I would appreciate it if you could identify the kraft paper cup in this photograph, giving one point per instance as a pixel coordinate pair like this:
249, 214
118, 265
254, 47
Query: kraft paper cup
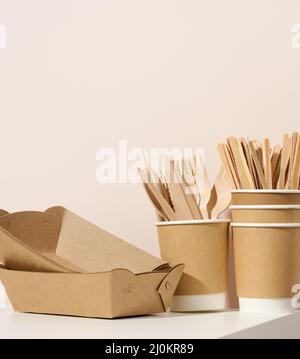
267, 265
202, 245
265, 213
265, 197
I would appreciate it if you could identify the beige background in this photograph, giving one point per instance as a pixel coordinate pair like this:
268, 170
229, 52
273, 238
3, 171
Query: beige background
78, 75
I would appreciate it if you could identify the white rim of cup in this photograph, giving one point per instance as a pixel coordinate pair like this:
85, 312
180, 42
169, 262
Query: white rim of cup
266, 225
196, 221
265, 206
273, 191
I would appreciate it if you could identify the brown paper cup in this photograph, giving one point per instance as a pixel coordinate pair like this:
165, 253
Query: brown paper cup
265, 213
265, 197
267, 265
203, 247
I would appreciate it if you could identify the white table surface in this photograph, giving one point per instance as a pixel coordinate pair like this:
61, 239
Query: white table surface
162, 326
209, 325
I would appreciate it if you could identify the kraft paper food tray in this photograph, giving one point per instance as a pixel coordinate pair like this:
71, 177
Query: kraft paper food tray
118, 293
58, 263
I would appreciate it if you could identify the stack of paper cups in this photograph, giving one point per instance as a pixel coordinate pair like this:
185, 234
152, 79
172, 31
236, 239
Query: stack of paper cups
202, 245
266, 241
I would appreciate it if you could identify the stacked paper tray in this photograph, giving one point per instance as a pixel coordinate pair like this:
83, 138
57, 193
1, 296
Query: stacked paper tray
56, 262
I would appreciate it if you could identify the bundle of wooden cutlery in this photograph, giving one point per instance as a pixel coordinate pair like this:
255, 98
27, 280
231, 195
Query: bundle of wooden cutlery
250, 164
181, 191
